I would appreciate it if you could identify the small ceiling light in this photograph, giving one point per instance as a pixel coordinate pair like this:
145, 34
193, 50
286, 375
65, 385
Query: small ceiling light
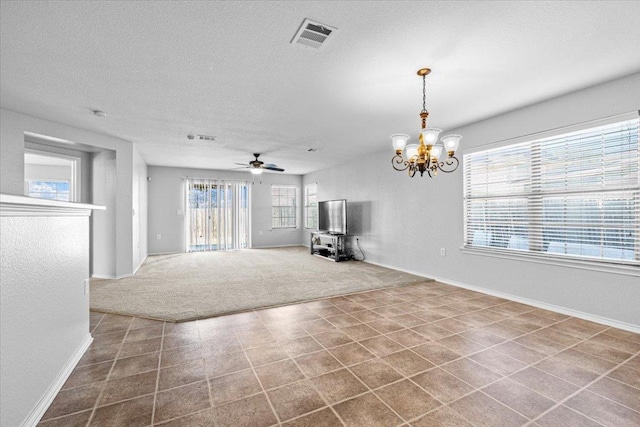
256, 171
426, 155
99, 113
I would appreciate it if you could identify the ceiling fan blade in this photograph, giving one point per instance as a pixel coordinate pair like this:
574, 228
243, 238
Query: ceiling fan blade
241, 164
242, 167
270, 165
273, 169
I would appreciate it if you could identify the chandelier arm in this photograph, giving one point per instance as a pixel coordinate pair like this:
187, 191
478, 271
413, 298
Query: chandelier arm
398, 160
450, 165
412, 171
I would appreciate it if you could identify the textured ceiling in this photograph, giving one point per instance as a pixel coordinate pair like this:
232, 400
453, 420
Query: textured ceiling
162, 70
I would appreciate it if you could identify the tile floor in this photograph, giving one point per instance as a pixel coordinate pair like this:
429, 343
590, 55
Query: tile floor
422, 355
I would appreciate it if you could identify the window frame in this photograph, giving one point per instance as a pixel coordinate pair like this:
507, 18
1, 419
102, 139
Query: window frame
620, 266
308, 206
294, 206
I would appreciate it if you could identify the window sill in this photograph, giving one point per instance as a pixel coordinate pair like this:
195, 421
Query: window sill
607, 267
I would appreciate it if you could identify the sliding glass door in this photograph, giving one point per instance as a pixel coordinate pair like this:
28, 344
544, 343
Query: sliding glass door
217, 214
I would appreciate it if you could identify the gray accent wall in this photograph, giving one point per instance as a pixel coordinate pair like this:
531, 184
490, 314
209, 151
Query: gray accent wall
403, 222
167, 197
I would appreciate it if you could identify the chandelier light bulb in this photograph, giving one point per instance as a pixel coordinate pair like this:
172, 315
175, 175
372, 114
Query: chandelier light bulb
412, 152
436, 151
430, 135
399, 140
451, 142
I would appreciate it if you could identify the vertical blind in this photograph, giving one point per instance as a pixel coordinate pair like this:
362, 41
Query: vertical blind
217, 214
575, 194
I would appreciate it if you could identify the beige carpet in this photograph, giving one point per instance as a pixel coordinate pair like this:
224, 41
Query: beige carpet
204, 284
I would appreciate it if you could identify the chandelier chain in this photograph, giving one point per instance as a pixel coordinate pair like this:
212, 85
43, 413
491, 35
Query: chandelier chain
424, 94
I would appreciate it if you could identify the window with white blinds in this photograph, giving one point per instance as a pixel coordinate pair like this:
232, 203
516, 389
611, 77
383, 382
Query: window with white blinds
283, 206
573, 195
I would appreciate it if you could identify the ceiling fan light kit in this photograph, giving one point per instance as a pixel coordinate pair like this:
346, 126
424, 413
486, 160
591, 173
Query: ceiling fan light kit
257, 166
425, 156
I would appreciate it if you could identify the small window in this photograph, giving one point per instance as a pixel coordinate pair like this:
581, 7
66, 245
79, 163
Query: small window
283, 206
51, 176
311, 206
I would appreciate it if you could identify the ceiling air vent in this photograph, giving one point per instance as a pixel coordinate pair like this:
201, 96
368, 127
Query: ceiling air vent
201, 137
313, 34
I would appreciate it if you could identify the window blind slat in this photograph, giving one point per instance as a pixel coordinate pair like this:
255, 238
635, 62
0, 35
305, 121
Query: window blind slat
574, 194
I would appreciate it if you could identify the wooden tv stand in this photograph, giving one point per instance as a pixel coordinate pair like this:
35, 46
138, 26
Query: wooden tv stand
329, 246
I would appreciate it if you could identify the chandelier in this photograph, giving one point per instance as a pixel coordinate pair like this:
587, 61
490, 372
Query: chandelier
426, 156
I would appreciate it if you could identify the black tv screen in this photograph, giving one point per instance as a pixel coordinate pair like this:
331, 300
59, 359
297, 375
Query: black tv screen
332, 216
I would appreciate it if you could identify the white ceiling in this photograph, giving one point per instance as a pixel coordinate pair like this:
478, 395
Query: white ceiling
162, 70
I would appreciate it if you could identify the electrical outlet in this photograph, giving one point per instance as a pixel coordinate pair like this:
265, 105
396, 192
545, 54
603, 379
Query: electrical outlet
260, 232
443, 252
158, 236
179, 212
86, 286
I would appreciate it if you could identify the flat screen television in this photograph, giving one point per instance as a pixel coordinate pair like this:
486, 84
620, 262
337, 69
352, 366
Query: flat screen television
332, 216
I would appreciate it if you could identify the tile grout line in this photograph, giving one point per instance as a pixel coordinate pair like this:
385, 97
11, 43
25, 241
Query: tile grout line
375, 394
155, 393
206, 374
331, 408
244, 352
480, 389
561, 403
95, 406
466, 356
506, 376
472, 327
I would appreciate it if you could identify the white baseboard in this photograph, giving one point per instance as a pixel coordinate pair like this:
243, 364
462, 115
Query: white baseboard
139, 265
535, 303
415, 273
45, 401
546, 306
164, 253
107, 276
103, 276
276, 246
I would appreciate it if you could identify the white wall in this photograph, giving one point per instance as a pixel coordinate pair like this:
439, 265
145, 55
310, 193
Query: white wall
166, 197
103, 235
44, 312
12, 128
403, 222
139, 194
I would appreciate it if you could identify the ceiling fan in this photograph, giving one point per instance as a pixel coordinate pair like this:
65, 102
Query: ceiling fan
257, 166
